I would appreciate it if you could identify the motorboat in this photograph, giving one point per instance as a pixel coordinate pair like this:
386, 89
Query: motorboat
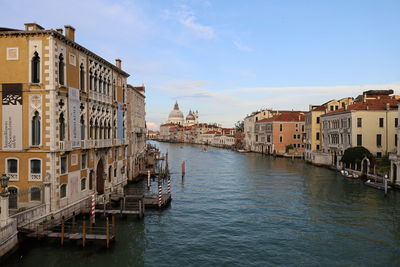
243, 151
380, 186
349, 175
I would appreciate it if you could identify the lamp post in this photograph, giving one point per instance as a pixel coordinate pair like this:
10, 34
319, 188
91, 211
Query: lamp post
386, 177
4, 198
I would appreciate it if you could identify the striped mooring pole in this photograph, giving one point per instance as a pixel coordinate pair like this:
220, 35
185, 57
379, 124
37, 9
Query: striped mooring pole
93, 206
148, 181
169, 184
159, 194
183, 168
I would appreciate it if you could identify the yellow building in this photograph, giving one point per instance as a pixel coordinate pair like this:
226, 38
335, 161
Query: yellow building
62, 118
371, 122
313, 139
136, 128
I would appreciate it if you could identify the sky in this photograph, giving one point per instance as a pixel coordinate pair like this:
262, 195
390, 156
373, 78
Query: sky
228, 58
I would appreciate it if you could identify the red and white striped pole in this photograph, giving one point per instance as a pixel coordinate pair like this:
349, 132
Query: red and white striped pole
159, 194
183, 168
169, 184
148, 181
93, 206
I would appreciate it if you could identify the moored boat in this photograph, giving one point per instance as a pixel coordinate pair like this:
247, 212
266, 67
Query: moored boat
348, 174
377, 185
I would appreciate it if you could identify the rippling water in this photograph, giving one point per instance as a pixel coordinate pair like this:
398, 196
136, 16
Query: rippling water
235, 209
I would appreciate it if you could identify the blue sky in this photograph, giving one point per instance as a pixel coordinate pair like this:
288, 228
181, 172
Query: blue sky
229, 58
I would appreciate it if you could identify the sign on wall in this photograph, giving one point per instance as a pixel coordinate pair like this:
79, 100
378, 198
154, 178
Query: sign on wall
120, 115
12, 116
74, 117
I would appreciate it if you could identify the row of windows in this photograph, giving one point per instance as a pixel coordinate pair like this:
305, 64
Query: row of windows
96, 83
381, 122
378, 140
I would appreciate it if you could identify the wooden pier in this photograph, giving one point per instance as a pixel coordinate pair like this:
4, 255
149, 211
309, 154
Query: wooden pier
152, 201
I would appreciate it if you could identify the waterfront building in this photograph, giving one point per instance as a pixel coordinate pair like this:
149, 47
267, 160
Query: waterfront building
313, 138
281, 133
136, 129
395, 157
370, 122
63, 113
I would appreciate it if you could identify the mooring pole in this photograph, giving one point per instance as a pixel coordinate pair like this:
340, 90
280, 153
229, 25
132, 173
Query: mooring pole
159, 193
93, 208
91, 224
84, 232
166, 161
169, 184
148, 180
183, 169
113, 223
385, 178
62, 231
73, 223
108, 232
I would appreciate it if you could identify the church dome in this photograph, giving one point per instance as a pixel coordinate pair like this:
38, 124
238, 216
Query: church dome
190, 117
175, 115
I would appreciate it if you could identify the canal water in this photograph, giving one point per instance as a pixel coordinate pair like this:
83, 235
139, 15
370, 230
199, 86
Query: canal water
235, 209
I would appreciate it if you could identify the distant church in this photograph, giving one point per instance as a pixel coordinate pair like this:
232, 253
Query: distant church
176, 117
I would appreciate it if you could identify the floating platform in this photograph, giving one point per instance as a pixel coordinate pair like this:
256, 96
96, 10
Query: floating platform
151, 201
376, 185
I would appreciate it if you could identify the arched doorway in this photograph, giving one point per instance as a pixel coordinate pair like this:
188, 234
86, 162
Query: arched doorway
13, 198
99, 178
394, 175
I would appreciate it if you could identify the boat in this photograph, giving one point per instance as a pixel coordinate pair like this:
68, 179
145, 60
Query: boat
243, 151
204, 149
377, 185
349, 175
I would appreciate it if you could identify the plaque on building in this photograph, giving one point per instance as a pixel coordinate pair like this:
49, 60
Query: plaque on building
12, 116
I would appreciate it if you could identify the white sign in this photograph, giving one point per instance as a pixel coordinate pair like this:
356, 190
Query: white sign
74, 117
12, 116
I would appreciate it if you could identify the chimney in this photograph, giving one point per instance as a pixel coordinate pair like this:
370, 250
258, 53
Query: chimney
33, 26
59, 30
118, 63
70, 32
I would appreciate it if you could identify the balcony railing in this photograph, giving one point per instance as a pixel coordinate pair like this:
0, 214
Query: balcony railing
117, 142
13, 176
100, 97
65, 145
36, 177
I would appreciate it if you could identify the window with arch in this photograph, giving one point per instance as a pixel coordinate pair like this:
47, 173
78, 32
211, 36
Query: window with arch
82, 77
61, 70
83, 184
35, 194
35, 169
61, 120
91, 180
63, 190
95, 81
114, 91
90, 80
12, 169
35, 65
83, 128
35, 129
109, 173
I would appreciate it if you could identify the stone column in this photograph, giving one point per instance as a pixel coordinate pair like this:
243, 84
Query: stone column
4, 208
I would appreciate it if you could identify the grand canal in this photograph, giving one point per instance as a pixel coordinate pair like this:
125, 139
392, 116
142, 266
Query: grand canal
235, 209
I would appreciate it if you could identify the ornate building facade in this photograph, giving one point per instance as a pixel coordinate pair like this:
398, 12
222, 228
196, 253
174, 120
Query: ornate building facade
62, 116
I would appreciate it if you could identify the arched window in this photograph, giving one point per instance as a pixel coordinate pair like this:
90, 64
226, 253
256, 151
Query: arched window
83, 128
90, 80
109, 173
100, 83
61, 65
95, 81
82, 77
12, 166
83, 184
114, 91
63, 190
35, 129
91, 180
35, 68
35, 194
62, 127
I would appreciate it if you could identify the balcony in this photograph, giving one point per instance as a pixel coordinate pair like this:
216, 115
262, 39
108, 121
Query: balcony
13, 176
100, 97
35, 177
87, 144
117, 142
65, 145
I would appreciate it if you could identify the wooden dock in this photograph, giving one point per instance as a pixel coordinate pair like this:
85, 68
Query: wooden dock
152, 201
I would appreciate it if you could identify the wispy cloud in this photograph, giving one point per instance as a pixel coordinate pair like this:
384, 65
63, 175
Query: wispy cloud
242, 47
189, 20
151, 125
